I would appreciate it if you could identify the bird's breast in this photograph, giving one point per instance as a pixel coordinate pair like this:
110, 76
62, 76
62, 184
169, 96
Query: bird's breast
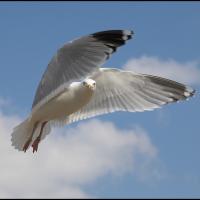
66, 103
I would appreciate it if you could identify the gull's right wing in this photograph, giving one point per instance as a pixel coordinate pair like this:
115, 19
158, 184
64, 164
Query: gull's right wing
76, 60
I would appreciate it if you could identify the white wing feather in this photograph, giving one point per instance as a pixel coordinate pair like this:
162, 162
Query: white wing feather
75, 60
119, 90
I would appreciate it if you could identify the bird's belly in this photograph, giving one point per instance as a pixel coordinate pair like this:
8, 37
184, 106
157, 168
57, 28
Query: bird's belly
63, 105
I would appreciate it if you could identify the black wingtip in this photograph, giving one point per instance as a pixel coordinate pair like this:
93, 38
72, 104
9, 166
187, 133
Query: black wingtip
189, 92
114, 32
117, 37
113, 38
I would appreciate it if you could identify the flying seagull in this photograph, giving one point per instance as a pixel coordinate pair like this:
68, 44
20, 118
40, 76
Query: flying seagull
75, 87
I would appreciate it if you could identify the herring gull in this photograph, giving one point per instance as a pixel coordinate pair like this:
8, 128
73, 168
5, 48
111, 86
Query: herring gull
75, 87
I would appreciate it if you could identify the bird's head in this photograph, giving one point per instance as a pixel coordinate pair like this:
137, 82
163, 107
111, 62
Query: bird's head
89, 83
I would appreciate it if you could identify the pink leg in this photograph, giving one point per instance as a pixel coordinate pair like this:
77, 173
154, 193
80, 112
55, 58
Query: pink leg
26, 145
37, 140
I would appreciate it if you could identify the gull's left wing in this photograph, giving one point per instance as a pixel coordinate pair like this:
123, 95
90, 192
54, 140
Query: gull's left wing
118, 90
75, 60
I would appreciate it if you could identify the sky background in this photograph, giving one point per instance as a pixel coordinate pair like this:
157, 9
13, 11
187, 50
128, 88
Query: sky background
148, 154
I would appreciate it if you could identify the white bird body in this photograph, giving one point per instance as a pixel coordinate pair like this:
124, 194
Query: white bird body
64, 104
62, 96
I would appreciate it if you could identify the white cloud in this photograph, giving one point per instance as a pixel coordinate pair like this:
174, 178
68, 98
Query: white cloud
69, 159
187, 73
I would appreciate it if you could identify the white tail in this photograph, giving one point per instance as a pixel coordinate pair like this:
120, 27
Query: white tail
22, 133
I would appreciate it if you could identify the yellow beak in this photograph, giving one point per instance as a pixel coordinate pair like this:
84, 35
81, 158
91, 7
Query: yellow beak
90, 86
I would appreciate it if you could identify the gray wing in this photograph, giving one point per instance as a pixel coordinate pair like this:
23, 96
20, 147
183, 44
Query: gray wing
118, 90
75, 60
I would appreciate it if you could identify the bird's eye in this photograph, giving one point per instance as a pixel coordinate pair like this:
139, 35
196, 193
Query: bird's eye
84, 83
94, 84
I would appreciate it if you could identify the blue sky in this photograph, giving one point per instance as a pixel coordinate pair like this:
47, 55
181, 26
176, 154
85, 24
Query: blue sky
32, 32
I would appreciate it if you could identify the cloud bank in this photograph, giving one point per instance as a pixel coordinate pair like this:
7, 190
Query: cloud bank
70, 158
187, 73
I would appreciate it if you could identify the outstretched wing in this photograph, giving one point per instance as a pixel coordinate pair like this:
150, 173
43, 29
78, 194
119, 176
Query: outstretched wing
118, 90
75, 60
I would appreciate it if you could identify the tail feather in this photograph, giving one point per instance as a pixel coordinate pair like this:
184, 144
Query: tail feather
22, 132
